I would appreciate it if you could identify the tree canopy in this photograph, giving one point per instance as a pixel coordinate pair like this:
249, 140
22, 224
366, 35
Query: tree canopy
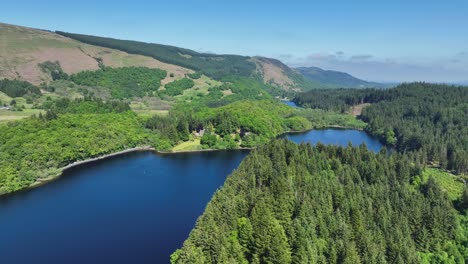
289, 203
428, 120
16, 88
123, 82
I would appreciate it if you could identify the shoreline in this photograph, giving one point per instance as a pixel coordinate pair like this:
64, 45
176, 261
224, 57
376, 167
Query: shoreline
77, 163
198, 150
41, 181
342, 127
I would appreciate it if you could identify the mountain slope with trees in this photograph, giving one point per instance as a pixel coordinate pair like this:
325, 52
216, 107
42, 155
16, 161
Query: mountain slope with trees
427, 120
289, 203
214, 66
334, 79
23, 49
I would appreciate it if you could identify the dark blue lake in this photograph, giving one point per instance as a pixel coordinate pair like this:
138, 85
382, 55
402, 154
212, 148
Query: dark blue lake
133, 208
290, 103
334, 136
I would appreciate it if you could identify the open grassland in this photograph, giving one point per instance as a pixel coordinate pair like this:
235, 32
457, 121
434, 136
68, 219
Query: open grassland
449, 182
7, 115
4, 99
150, 106
201, 88
149, 113
193, 144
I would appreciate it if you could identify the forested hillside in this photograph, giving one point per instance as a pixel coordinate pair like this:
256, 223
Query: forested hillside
35, 148
15, 88
428, 120
334, 79
214, 66
239, 124
67, 130
126, 82
289, 203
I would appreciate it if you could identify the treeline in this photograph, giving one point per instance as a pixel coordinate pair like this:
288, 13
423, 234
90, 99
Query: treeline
214, 66
123, 82
178, 87
236, 89
239, 124
85, 105
35, 148
16, 88
54, 69
428, 120
339, 100
289, 203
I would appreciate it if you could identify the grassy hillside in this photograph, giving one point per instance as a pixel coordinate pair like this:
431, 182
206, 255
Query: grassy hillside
22, 49
334, 79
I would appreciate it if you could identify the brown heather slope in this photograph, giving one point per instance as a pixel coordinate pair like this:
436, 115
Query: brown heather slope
272, 73
275, 73
22, 49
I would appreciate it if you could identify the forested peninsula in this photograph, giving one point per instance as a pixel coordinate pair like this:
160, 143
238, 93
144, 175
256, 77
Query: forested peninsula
289, 203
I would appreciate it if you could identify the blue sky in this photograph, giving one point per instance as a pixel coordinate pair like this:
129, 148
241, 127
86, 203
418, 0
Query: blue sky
375, 40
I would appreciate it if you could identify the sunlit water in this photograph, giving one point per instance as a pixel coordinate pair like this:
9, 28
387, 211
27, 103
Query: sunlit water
133, 208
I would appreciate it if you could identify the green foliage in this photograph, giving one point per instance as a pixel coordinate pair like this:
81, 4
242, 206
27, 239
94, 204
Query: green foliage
214, 66
15, 88
321, 119
265, 118
195, 75
428, 120
238, 89
36, 148
166, 126
209, 140
289, 203
226, 123
54, 69
86, 105
253, 122
462, 202
177, 87
123, 82
339, 100
452, 184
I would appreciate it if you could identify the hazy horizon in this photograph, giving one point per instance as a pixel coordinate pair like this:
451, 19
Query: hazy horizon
384, 42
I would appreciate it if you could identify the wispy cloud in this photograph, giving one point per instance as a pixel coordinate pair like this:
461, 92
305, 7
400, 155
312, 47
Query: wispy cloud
444, 69
363, 57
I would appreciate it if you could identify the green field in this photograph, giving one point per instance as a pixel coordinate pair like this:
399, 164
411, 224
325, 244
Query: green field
7, 115
449, 182
200, 88
193, 144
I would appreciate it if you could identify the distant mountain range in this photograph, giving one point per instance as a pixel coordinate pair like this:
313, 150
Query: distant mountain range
335, 79
23, 49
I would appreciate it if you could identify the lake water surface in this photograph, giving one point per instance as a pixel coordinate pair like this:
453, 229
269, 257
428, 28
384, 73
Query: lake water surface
133, 208
290, 103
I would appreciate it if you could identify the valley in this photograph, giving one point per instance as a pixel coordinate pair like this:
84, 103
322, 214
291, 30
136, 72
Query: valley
187, 180
128, 151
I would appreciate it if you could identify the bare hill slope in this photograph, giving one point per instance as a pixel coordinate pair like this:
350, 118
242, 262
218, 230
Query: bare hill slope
22, 49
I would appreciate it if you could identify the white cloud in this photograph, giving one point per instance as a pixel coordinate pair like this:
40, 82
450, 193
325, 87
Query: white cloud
369, 67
